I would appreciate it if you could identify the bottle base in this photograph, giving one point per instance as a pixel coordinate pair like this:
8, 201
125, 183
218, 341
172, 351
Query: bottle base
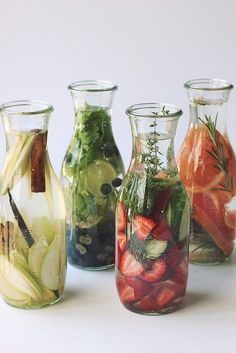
161, 312
93, 268
27, 306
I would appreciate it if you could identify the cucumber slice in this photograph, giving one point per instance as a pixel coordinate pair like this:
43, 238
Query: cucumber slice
184, 224
51, 265
19, 278
155, 248
36, 255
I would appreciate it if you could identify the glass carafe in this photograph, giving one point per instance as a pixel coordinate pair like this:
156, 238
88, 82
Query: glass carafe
32, 211
152, 216
207, 166
92, 172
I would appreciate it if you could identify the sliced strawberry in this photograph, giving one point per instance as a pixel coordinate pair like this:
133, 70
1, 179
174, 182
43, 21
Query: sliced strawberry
162, 230
141, 288
174, 256
121, 240
165, 296
147, 304
143, 226
157, 272
126, 292
129, 266
121, 216
180, 274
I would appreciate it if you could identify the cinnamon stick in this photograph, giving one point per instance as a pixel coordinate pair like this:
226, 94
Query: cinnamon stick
6, 237
38, 154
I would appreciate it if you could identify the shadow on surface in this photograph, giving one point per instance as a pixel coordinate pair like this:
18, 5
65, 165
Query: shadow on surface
194, 298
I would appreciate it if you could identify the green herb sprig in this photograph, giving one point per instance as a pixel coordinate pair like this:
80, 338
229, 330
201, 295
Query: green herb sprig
217, 152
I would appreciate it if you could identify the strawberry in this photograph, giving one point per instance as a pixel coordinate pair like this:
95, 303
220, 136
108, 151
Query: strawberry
129, 266
158, 271
165, 296
147, 304
121, 240
121, 216
126, 292
143, 226
162, 230
141, 288
180, 274
174, 256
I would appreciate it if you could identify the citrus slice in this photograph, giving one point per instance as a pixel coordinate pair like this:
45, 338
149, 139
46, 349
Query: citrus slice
208, 213
19, 278
51, 265
97, 174
197, 166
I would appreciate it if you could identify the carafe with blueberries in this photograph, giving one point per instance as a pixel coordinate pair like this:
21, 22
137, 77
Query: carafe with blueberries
92, 173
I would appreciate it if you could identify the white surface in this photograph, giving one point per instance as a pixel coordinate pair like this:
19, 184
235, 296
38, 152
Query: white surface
91, 319
150, 48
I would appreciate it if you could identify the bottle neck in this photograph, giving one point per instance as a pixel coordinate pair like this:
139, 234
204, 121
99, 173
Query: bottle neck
201, 114
153, 154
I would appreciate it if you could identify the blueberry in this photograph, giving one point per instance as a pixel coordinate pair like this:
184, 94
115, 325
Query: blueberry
116, 182
106, 189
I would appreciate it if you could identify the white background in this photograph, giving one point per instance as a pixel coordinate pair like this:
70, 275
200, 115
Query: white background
149, 48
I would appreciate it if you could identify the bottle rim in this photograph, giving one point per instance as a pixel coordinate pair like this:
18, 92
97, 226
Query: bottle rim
163, 111
26, 107
92, 86
209, 84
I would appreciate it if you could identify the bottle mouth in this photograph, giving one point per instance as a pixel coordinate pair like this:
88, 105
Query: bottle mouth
92, 86
209, 84
155, 111
26, 107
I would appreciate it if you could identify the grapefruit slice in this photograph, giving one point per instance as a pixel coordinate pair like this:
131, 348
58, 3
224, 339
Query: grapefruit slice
196, 165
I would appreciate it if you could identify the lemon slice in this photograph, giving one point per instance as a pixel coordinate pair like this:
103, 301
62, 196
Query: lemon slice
98, 173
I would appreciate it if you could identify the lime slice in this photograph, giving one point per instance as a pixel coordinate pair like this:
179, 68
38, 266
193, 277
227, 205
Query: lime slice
98, 173
51, 265
19, 278
36, 254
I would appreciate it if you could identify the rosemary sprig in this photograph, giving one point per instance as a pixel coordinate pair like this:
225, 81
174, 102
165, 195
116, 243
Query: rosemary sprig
217, 153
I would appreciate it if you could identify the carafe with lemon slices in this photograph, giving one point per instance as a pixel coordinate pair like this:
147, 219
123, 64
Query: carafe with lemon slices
91, 175
32, 211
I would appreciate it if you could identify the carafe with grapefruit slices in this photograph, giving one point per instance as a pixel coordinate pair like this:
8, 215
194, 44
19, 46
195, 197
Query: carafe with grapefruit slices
152, 217
207, 166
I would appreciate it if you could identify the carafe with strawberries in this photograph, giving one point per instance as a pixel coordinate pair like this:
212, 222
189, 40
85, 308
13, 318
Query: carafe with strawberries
152, 216
207, 166
32, 211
